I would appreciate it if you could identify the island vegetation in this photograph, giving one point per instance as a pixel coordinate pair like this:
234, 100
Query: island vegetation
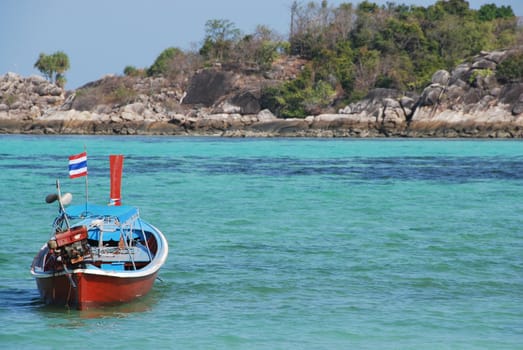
363, 70
53, 67
352, 49
348, 50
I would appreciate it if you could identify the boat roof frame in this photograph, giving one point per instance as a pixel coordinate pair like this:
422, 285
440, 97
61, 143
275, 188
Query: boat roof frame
124, 213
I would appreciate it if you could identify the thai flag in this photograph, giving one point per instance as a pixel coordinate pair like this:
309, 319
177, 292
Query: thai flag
78, 165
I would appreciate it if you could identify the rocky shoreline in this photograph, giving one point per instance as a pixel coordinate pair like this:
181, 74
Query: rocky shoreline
467, 102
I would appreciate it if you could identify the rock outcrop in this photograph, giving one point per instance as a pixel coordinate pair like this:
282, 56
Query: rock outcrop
467, 102
470, 102
23, 99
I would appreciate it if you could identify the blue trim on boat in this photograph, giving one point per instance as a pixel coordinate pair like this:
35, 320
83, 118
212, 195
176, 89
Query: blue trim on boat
123, 213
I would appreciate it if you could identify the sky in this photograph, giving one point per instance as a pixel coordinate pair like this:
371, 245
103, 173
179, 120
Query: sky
102, 37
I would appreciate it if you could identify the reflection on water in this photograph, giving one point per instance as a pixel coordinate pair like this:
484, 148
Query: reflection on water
27, 301
18, 298
143, 304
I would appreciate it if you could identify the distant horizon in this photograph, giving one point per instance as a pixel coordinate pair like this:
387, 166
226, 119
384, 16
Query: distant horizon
103, 37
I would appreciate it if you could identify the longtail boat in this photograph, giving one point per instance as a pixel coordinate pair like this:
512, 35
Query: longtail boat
98, 255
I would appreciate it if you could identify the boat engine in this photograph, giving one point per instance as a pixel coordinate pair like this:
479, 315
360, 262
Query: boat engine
70, 245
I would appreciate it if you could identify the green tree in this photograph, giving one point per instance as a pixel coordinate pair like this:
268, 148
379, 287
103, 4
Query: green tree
369, 27
511, 68
220, 36
299, 97
489, 12
455, 7
258, 49
335, 67
132, 71
405, 34
288, 100
53, 67
366, 72
45, 65
344, 65
318, 27
173, 64
458, 38
162, 62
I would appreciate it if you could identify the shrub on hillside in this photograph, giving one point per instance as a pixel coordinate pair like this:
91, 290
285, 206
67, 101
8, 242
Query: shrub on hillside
132, 71
108, 91
511, 68
162, 62
175, 65
298, 98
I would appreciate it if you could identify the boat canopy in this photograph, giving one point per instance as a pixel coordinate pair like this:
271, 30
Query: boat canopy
124, 213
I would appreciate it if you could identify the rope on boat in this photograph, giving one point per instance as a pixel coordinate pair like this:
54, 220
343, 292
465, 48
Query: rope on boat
127, 246
146, 242
68, 274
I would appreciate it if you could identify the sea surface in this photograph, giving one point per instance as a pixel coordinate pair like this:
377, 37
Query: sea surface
283, 243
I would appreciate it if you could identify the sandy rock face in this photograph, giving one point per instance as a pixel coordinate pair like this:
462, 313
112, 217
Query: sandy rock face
466, 102
27, 98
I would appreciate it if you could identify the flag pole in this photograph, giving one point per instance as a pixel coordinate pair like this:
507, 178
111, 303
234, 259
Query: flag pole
78, 168
86, 184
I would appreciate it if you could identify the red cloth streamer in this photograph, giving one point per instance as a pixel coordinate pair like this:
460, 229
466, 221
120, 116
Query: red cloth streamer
116, 167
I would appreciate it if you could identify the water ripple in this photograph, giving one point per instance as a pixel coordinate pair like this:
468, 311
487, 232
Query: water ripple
445, 169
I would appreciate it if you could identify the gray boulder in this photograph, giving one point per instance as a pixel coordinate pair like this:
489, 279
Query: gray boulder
208, 86
441, 77
247, 101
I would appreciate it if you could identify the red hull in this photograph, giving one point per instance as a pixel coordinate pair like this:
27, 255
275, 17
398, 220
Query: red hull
92, 290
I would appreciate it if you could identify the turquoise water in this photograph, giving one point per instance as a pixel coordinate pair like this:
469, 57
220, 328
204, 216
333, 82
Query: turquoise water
284, 243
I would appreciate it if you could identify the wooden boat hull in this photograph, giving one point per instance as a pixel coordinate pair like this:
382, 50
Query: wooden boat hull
92, 290
99, 282
97, 255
